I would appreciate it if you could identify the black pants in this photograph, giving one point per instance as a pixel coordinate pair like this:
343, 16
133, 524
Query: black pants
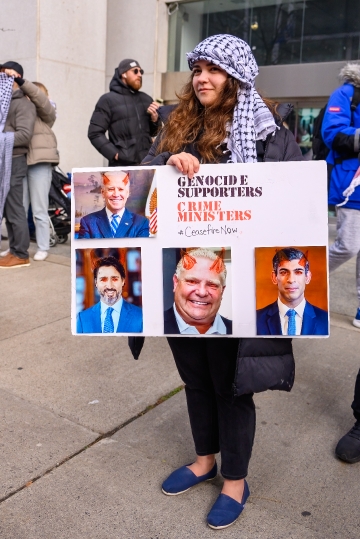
356, 404
14, 211
219, 422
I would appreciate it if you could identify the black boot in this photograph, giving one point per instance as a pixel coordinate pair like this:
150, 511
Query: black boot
348, 447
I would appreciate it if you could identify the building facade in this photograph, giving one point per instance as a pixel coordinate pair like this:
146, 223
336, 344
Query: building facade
74, 46
300, 47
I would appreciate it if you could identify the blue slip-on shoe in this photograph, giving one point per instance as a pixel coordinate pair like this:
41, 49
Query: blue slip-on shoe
183, 479
356, 321
226, 510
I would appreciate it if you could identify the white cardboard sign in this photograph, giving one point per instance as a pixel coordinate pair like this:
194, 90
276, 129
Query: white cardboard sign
244, 213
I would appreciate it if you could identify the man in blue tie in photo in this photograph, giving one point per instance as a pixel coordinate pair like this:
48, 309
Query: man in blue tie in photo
114, 220
112, 314
291, 314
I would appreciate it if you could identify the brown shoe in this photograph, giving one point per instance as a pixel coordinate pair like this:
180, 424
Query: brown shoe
5, 256
12, 261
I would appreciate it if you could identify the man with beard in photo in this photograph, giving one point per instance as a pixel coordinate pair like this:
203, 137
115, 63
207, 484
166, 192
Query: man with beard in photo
112, 314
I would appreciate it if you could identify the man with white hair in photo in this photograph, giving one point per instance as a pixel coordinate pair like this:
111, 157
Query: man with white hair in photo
114, 220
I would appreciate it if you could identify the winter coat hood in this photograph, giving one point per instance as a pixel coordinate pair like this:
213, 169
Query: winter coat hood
122, 113
17, 94
351, 74
20, 120
43, 145
283, 111
118, 86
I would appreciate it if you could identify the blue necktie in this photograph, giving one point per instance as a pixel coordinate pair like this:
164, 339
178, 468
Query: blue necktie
108, 323
114, 224
291, 313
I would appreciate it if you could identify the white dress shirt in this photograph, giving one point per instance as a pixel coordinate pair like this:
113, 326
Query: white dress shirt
299, 310
115, 314
110, 213
218, 327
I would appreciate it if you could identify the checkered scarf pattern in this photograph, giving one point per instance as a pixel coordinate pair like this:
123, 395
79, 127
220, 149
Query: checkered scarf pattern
5, 98
6, 140
252, 119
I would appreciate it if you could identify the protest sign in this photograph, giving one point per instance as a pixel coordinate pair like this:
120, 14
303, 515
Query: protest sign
199, 254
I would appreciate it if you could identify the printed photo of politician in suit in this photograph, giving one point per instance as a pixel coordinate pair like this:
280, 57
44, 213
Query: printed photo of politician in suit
115, 204
292, 313
108, 291
195, 280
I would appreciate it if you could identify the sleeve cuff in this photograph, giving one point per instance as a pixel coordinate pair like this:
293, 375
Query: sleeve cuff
19, 81
357, 141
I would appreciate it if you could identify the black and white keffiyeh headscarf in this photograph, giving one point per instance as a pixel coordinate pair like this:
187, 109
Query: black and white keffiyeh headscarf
252, 119
6, 84
6, 140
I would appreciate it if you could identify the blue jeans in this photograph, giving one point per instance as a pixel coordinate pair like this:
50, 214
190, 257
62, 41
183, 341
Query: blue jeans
347, 243
36, 191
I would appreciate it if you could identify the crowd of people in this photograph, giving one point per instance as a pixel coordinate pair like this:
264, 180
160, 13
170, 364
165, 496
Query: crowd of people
31, 151
220, 118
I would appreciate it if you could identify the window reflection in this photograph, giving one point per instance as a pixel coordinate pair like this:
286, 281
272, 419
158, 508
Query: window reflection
279, 32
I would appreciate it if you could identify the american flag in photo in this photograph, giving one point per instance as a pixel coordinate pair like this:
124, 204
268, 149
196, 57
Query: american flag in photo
151, 208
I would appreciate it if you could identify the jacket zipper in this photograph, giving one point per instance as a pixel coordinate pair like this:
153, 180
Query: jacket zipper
138, 117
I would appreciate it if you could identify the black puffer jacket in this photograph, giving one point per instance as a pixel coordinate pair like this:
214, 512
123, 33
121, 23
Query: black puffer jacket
262, 363
279, 146
122, 112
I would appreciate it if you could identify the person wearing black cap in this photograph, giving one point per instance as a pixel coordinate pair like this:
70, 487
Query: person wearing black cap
20, 120
129, 116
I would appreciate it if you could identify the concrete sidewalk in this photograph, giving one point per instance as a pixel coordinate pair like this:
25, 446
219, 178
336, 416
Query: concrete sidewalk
84, 451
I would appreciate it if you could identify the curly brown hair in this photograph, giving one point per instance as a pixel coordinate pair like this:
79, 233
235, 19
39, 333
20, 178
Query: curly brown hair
191, 122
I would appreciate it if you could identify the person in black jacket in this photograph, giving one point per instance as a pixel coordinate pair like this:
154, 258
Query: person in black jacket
129, 116
221, 119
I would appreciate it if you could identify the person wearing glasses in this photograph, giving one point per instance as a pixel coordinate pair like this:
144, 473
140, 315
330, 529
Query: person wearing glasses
129, 117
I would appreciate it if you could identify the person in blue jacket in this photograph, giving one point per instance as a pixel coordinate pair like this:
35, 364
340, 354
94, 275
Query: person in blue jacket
341, 133
112, 314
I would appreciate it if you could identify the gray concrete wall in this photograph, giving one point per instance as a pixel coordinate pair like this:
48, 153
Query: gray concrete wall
299, 80
131, 34
62, 45
138, 30
18, 34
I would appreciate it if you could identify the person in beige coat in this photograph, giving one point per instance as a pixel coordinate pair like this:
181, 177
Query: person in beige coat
41, 156
20, 121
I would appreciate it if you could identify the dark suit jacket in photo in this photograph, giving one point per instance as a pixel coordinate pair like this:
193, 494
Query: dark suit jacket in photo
315, 320
96, 225
130, 321
171, 327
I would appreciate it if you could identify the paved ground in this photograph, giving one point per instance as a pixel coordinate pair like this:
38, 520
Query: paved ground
84, 452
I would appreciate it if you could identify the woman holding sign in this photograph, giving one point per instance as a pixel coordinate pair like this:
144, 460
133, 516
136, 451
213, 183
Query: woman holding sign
220, 119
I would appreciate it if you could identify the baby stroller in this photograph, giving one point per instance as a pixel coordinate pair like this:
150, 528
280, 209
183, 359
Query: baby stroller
59, 207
